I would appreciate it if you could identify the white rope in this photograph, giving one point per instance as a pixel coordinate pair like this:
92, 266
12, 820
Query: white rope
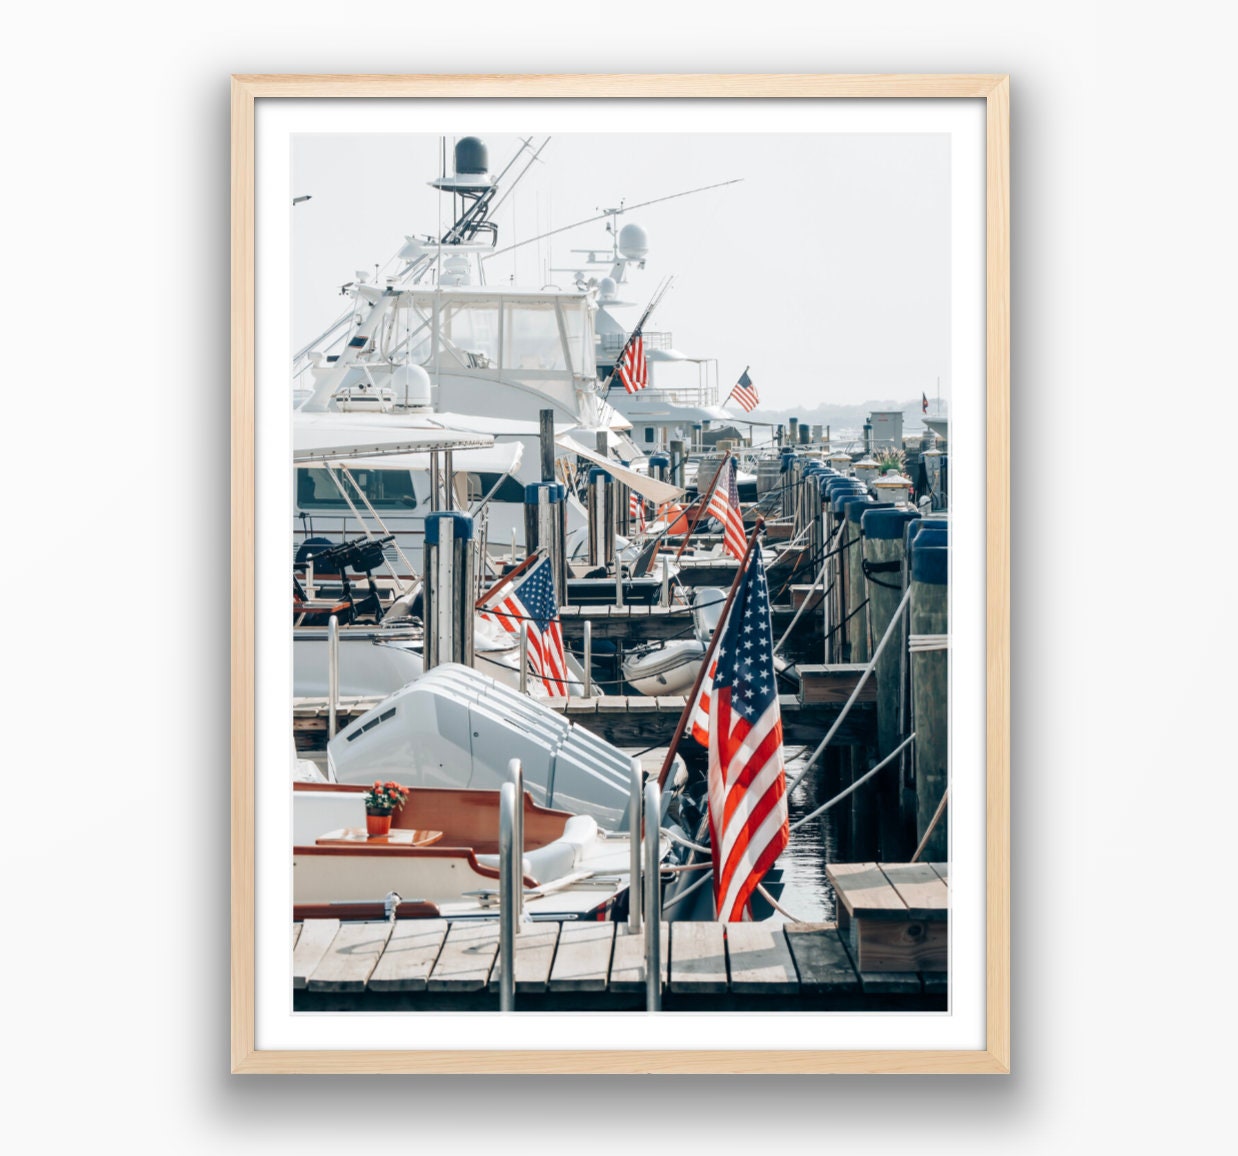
854, 786
777, 906
868, 670
921, 643
687, 891
941, 808
803, 606
684, 842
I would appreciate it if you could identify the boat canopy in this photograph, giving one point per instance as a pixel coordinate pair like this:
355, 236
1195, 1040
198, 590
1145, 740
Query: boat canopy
656, 491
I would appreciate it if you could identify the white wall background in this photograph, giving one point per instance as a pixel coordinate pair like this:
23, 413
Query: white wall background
115, 323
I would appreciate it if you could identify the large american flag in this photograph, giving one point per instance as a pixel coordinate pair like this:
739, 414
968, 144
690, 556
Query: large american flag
632, 368
747, 784
724, 505
744, 392
531, 600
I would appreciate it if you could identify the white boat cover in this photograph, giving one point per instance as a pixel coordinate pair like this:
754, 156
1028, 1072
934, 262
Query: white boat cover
656, 491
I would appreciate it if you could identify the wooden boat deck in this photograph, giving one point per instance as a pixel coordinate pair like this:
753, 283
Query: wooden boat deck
433, 965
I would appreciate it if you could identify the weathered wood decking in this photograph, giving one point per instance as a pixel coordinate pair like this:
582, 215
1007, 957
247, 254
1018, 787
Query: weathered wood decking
433, 965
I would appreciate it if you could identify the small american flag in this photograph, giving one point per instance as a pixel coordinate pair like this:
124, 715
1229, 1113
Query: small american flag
531, 600
724, 505
636, 511
632, 368
747, 783
744, 392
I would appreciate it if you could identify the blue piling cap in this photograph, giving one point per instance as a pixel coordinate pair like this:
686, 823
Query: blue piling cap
531, 491
930, 564
842, 489
884, 523
914, 529
856, 510
462, 526
596, 473
837, 497
659, 459
844, 500
929, 539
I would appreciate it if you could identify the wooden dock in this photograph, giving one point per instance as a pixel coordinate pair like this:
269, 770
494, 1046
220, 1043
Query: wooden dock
433, 965
633, 624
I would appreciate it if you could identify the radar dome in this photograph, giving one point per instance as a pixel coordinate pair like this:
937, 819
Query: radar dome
471, 156
633, 242
411, 386
607, 289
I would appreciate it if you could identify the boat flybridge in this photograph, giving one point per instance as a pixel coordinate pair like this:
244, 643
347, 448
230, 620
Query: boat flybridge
427, 341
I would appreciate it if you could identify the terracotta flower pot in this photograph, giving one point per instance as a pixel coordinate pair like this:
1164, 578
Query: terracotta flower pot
377, 823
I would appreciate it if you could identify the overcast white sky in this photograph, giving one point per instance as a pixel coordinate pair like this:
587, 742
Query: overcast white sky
827, 269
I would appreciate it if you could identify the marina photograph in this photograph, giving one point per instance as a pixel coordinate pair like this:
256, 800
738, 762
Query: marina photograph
620, 571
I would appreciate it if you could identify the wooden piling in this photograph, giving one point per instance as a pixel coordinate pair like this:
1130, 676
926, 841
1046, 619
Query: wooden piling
929, 689
546, 438
883, 557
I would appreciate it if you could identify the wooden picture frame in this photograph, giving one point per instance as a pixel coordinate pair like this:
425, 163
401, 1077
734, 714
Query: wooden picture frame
993, 90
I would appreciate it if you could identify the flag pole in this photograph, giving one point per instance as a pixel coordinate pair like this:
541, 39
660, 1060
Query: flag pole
709, 653
507, 578
702, 503
654, 301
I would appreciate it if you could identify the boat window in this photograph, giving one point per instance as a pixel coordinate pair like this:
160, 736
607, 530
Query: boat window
511, 489
579, 339
389, 488
531, 337
470, 332
411, 331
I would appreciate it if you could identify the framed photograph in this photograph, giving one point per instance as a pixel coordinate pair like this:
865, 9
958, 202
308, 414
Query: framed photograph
646, 444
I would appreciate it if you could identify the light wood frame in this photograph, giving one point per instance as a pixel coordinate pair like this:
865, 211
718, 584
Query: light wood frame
995, 91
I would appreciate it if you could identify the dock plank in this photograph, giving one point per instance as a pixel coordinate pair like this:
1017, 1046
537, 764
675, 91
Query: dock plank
582, 961
942, 869
821, 960
296, 934
698, 958
920, 887
315, 939
627, 965
411, 953
535, 953
864, 890
466, 958
351, 958
759, 959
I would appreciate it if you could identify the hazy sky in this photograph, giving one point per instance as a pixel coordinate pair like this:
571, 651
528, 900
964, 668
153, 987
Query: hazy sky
827, 269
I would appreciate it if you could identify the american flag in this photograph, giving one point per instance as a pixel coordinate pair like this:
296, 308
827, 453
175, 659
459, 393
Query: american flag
636, 511
747, 784
531, 600
745, 393
632, 368
724, 505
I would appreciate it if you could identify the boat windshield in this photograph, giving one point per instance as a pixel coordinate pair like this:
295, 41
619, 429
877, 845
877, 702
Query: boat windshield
382, 488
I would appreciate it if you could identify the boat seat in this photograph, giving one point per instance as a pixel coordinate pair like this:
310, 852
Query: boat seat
558, 858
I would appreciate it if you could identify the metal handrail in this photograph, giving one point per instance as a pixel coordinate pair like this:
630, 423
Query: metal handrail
509, 880
634, 831
653, 900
